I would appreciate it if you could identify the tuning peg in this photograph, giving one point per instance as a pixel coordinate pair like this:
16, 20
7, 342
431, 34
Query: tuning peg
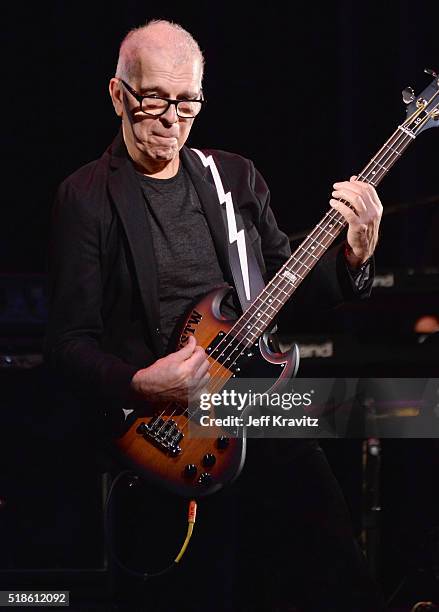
408, 95
431, 72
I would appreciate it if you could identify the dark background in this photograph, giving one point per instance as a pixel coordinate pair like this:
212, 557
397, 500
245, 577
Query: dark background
332, 75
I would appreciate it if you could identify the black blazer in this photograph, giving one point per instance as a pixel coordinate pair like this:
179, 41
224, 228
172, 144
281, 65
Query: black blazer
103, 297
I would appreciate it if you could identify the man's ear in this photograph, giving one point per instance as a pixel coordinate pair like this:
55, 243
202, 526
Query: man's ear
116, 95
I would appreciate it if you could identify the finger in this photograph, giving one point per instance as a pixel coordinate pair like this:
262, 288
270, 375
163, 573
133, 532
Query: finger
369, 195
353, 178
347, 191
188, 349
355, 186
365, 190
196, 359
366, 202
350, 216
374, 199
354, 198
359, 187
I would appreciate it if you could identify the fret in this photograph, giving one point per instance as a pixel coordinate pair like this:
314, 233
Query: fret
252, 336
276, 298
381, 166
280, 279
278, 288
250, 322
270, 306
251, 341
281, 303
290, 276
240, 337
269, 298
375, 174
323, 246
302, 263
264, 301
248, 325
264, 304
325, 230
306, 249
265, 323
259, 316
406, 131
393, 150
402, 146
249, 329
342, 223
252, 331
330, 225
365, 178
256, 331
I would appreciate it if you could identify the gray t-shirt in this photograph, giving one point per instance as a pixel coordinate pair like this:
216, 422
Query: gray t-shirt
187, 263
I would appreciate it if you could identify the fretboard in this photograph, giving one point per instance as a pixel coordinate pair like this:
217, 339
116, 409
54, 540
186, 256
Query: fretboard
265, 308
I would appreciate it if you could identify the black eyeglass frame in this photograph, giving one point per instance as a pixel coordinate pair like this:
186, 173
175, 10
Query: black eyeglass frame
139, 97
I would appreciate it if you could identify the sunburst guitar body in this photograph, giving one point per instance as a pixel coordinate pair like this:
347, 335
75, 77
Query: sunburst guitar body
164, 447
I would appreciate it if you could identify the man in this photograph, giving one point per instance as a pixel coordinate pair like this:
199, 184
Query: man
138, 236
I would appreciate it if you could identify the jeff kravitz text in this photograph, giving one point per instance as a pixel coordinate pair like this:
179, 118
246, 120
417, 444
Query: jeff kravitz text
266, 420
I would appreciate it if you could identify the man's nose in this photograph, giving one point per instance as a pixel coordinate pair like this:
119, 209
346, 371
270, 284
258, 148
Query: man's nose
171, 114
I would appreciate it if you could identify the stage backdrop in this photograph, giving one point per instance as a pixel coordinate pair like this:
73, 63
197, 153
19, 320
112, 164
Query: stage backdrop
309, 95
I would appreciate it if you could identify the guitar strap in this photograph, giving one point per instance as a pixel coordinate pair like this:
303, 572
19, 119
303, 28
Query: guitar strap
245, 269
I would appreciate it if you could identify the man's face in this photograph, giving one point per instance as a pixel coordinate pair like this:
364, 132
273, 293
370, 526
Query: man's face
156, 141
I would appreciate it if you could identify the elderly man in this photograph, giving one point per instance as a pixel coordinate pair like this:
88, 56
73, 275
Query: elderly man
138, 236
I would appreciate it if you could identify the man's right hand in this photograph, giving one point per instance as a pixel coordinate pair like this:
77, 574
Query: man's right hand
174, 377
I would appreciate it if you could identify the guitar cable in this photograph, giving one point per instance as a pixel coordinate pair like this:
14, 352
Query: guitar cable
192, 513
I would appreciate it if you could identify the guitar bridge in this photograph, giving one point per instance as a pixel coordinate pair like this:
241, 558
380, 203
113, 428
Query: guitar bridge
163, 433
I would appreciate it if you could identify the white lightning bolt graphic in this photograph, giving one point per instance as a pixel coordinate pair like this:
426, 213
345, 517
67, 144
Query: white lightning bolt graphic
234, 235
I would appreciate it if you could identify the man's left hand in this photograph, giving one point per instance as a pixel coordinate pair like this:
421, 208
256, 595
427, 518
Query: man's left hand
364, 221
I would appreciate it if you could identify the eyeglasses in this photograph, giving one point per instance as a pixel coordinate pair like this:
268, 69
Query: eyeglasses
156, 106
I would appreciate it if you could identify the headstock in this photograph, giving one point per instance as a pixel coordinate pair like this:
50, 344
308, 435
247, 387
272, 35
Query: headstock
422, 110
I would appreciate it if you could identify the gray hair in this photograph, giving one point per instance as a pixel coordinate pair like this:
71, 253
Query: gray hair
127, 61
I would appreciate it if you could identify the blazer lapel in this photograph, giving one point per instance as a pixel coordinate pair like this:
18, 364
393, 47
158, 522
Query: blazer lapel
127, 197
201, 179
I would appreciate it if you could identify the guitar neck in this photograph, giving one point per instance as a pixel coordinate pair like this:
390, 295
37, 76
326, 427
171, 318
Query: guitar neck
265, 308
